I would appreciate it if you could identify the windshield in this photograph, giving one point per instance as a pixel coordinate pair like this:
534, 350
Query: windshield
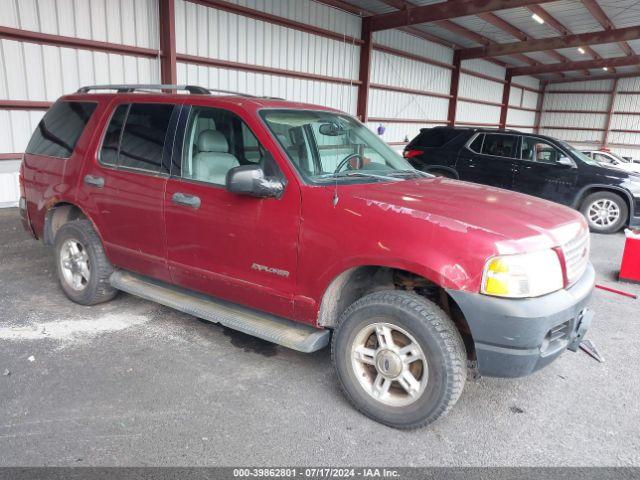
618, 157
325, 146
579, 154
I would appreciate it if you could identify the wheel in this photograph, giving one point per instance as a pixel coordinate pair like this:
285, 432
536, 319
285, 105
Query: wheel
606, 212
83, 268
399, 358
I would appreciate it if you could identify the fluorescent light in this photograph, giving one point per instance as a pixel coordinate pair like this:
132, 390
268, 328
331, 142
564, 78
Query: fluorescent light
606, 69
581, 50
537, 18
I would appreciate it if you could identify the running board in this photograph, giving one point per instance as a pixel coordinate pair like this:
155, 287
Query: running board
262, 325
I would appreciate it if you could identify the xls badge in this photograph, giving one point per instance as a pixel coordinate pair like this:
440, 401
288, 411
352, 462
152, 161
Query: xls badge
275, 271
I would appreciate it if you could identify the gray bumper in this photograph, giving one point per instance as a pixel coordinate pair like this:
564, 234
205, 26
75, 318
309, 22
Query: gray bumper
515, 337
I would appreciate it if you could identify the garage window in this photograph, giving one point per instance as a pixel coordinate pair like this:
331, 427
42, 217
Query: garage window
59, 130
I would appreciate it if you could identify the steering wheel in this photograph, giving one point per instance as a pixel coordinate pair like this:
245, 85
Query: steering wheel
346, 160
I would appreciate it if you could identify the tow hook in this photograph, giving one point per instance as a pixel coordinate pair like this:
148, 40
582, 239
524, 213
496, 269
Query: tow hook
584, 321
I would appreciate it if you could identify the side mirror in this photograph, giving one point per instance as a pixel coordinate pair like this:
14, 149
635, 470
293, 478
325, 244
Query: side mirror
565, 162
250, 180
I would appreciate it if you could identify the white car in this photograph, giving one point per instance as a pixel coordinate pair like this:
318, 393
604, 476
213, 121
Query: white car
609, 159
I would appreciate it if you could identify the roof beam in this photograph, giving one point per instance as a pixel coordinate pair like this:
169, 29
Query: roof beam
444, 11
610, 76
582, 65
567, 41
596, 12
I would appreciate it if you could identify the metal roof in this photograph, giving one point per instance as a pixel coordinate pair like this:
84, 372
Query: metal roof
573, 15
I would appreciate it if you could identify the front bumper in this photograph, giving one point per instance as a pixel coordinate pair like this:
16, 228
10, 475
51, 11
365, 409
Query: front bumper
515, 337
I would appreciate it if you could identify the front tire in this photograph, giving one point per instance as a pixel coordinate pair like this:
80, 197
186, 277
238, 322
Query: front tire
83, 268
399, 358
606, 212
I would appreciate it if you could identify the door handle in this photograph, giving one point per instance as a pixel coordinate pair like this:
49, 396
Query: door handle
186, 200
94, 181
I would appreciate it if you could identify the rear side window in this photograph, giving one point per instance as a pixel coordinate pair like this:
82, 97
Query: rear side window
59, 130
111, 143
500, 145
476, 145
435, 137
136, 136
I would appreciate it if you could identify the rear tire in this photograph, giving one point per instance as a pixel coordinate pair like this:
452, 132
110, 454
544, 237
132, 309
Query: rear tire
606, 212
399, 358
83, 268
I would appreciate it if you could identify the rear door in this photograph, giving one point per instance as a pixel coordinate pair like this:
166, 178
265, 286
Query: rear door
489, 159
125, 185
540, 173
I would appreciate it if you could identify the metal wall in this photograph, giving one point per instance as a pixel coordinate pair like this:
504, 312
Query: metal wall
485, 87
216, 34
421, 89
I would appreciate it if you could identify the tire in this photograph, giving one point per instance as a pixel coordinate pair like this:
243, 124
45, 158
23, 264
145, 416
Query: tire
442, 173
88, 253
608, 201
441, 347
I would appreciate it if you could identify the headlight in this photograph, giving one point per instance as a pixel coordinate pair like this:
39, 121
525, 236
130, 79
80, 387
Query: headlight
523, 275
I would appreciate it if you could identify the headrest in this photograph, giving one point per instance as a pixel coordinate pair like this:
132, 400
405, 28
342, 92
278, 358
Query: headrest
212, 141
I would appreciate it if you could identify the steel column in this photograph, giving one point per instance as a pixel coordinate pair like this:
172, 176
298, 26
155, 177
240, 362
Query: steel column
366, 50
612, 101
455, 82
168, 63
539, 107
506, 93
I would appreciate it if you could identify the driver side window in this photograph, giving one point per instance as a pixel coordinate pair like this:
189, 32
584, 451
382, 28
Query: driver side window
536, 150
216, 141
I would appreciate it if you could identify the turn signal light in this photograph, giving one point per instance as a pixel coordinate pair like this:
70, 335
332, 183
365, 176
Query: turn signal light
411, 153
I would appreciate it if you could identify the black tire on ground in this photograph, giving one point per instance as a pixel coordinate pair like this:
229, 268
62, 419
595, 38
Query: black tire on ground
434, 332
97, 289
604, 196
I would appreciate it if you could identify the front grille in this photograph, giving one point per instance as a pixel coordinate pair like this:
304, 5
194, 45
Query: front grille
576, 256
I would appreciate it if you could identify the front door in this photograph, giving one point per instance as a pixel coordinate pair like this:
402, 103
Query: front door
489, 160
125, 186
238, 248
544, 171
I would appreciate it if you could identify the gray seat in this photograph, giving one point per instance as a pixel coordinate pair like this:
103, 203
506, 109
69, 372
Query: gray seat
213, 160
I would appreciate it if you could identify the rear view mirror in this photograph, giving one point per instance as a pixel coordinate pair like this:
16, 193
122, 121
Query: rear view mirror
332, 129
251, 180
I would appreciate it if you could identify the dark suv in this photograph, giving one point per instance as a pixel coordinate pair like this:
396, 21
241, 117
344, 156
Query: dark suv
534, 164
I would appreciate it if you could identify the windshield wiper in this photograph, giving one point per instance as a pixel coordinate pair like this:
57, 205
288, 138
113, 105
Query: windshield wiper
414, 172
365, 174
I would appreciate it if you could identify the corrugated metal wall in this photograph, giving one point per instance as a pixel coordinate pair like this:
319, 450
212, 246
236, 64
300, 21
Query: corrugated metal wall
216, 34
523, 104
403, 114
578, 112
480, 89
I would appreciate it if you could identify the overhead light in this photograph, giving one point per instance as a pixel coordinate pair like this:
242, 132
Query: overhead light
537, 18
606, 69
581, 50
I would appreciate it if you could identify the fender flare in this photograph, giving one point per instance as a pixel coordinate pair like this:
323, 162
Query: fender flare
584, 191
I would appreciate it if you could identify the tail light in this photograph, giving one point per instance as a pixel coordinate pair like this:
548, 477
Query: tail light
411, 153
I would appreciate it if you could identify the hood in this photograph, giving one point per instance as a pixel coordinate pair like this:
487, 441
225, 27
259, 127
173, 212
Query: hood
514, 222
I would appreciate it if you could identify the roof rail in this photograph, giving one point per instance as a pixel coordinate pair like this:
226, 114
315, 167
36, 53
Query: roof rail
129, 88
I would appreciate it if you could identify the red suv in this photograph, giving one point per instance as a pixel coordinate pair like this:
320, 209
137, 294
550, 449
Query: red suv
296, 224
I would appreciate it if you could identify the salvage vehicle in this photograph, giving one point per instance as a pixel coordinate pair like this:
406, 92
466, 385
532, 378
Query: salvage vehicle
534, 164
296, 224
610, 159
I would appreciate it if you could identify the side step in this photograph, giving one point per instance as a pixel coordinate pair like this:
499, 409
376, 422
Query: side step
262, 325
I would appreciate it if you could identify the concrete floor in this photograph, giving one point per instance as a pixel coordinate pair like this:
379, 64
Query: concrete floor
133, 383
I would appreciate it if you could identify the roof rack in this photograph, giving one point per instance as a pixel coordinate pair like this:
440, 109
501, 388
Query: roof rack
129, 88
